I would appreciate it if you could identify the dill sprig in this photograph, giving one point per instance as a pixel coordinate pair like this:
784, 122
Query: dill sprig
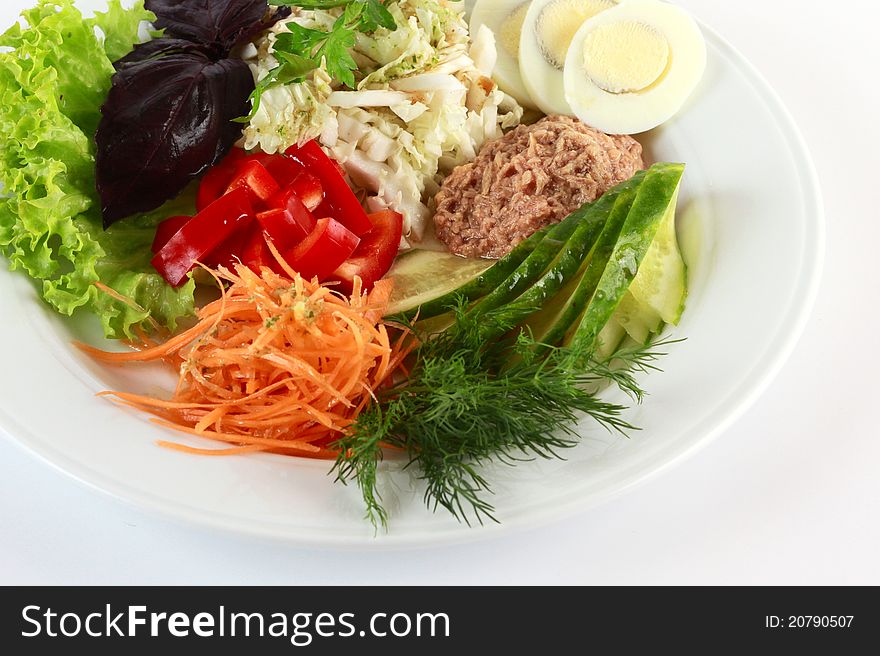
465, 405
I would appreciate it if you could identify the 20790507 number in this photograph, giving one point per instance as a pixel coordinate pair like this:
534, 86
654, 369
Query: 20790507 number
819, 621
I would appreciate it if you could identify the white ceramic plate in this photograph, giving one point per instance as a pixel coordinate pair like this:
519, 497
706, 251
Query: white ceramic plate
751, 224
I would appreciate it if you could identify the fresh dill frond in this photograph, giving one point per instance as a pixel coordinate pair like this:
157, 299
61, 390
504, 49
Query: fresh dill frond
363, 453
621, 367
464, 405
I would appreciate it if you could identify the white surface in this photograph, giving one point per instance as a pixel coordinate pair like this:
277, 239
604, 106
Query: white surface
789, 494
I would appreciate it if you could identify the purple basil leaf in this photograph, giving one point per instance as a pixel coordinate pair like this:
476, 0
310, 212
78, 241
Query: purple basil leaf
166, 120
161, 47
224, 23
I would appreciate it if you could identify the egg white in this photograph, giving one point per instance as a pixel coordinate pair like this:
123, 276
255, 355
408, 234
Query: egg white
632, 111
494, 14
542, 77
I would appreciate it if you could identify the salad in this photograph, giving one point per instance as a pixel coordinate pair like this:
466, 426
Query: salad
357, 230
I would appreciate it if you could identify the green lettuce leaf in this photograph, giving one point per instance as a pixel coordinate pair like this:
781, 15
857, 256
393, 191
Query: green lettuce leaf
120, 28
53, 79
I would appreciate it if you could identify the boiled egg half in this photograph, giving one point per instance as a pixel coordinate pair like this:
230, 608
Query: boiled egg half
505, 19
547, 31
632, 67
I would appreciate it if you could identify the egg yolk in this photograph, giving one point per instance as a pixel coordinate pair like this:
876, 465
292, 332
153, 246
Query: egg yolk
559, 21
625, 57
511, 27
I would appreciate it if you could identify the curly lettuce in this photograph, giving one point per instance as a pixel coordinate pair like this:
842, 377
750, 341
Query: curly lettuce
55, 72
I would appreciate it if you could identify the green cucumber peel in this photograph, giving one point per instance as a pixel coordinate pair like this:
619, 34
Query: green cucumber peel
482, 284
576, 304
542, 260
564, 268
656, 195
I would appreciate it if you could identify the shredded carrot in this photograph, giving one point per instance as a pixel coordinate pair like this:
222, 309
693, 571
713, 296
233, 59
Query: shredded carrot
275, 364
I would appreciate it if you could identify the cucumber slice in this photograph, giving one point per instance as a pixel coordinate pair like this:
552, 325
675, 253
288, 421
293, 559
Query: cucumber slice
432, 296
609, 339
544, 258
661, 283
540, 324
575, 304
655, 198
639, 321
421, 276
564, 267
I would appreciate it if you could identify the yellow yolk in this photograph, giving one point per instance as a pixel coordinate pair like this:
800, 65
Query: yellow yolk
558, 23
510, 30
625, 56
632, 68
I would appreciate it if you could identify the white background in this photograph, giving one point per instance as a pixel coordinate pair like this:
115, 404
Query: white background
790, 494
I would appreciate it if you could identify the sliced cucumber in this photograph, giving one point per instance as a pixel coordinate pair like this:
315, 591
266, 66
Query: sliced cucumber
540, 323
563, 269
654, 199
609, 339
639, 321
430, 293
543, 260
661, 283
658, 291
564, 318
609, 270
421, 276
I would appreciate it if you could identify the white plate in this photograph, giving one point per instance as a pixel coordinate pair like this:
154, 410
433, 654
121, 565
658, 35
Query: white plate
751, 221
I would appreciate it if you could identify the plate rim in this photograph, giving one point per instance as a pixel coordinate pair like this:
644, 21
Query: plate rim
813, 252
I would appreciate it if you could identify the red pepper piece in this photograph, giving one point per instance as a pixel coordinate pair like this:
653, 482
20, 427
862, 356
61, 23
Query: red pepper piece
322, 211
375, 254
283, 168
306, 186
309, 189
300, 213
326, 247
217, 179
254, 177
289, 225
166, 230
337, 193
255, 253
228, 253
202, 234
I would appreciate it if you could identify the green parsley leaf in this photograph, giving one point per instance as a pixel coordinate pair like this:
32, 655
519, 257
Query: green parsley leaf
301, 50
339, 62
378, 16
301, 41
351, 17
292, 68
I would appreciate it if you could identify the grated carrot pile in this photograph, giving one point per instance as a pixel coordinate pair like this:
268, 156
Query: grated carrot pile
275, 364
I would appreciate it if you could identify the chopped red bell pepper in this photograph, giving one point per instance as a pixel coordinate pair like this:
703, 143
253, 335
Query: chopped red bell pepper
326, 247
217, 179
283, 168
256, 253
166, 230
228, 252
254, 177
375, 254
307, 186
337, 194
289, 225
309, 189
202, 234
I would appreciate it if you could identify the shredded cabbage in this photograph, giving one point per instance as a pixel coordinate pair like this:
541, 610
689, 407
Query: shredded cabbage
424, 103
